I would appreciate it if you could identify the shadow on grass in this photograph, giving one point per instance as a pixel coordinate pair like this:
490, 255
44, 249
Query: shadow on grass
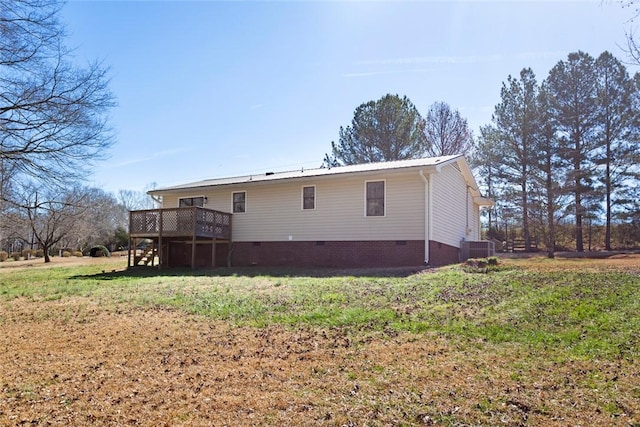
141, 272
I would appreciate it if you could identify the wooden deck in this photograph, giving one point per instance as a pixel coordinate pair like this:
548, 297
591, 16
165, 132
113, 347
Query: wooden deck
193, 226
180, 222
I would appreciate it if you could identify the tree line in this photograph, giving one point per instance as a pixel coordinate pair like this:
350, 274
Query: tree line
392, 128
73, 219
563, 151
558, 154
53, 127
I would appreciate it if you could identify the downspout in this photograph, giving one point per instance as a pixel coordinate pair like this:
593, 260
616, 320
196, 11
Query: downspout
466, 231
157, 200
427, 215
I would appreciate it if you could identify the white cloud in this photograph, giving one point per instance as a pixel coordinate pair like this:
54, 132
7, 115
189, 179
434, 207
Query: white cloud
152, 156
431, 60
379, 73
542, 55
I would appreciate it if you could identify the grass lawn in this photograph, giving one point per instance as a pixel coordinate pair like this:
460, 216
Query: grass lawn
535, 342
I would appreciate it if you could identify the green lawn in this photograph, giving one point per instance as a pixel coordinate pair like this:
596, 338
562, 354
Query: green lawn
571, 311
535, 342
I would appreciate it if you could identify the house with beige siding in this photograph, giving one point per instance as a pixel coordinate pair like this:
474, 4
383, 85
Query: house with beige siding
399, 213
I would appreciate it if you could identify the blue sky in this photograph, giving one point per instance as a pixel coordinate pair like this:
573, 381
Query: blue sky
209, 89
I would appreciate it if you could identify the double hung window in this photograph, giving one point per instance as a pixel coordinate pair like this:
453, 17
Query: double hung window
239, 201
309, 197
374, 198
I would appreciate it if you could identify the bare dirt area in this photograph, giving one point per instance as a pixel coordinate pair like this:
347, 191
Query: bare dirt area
71, 362
116, 261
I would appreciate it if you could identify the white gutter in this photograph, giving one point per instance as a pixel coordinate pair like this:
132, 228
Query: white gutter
427, 215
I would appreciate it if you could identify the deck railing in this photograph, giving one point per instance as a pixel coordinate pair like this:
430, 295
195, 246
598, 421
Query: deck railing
180, 222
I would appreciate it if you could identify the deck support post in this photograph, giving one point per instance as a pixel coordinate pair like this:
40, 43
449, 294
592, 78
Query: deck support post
213, 253
159, 250
129, 253
193, 253
193, 241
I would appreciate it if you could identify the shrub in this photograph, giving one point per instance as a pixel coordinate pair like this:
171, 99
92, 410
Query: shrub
26, 253
99, 251
66, 254
77, 254
481, 265
3, 256
38, 253
16, 256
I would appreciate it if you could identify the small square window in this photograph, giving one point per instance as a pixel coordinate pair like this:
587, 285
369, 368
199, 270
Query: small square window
309, 197
239, 202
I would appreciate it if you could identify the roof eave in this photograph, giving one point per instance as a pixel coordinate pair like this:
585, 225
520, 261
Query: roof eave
483, 201
204, 185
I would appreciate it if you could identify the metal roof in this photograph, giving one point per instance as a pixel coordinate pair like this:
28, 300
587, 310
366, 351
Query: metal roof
306, 173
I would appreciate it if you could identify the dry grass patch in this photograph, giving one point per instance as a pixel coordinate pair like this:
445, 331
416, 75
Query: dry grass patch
618, 262
72, 363
81, 347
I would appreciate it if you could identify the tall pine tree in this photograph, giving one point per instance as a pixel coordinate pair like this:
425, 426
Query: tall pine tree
573, 90
516, 122
390, 128
616, 117
548, 177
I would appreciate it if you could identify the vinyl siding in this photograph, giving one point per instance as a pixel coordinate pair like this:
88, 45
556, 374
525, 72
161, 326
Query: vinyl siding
450, 207
274, 209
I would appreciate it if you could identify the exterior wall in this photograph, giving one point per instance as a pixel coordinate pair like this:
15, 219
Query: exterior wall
276, 231
452, 210
274, 210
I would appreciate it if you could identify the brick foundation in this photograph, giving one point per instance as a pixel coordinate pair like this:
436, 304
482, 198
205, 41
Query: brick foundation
442, 254
178, 254
400, 253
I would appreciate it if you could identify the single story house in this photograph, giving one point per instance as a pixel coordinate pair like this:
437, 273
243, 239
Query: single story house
387, 214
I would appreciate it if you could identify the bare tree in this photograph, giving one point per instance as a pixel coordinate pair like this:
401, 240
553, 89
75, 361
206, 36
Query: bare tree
446, 131
633, 48
53, 114
135, 200
5, 194
102, 217
51, 215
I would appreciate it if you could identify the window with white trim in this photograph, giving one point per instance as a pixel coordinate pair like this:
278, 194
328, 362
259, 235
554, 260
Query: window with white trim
309, 197
186, 202
239, 199
374, 198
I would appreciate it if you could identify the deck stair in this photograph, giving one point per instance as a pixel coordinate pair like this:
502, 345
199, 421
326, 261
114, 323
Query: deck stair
147, 255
